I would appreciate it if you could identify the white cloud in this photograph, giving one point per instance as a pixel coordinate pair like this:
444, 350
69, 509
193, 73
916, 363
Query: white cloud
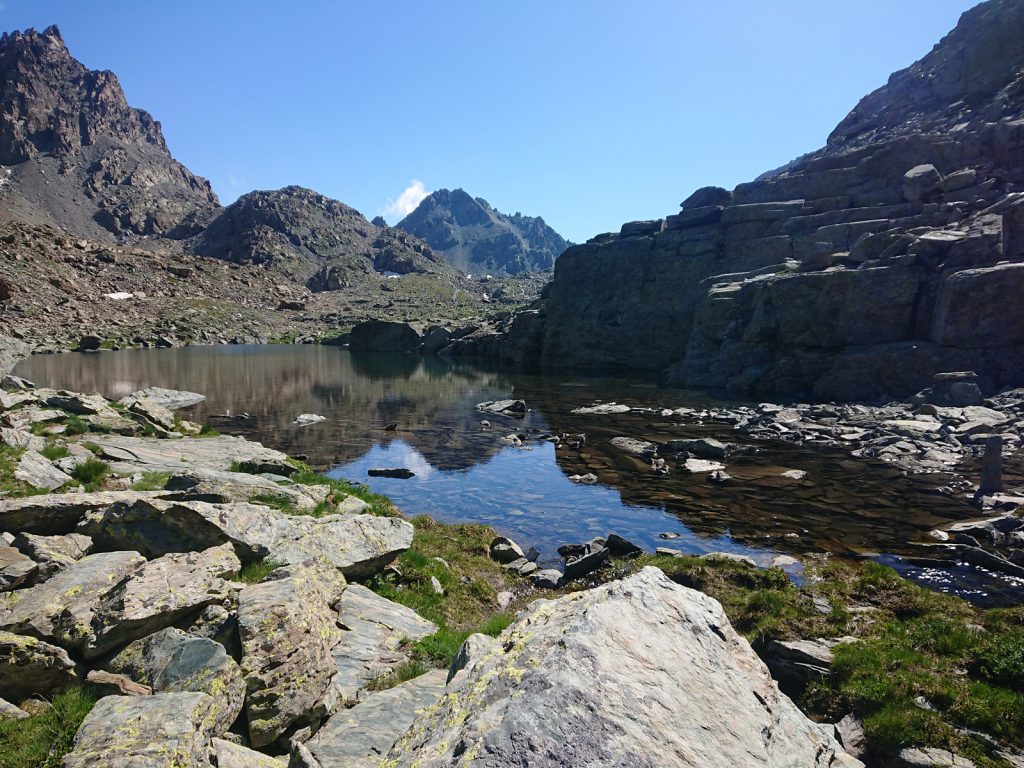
395, 210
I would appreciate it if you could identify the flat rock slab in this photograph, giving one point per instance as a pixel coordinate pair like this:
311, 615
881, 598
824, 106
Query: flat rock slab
227, 487
61, 610
172, 661
640, 672
375, 629
357, 545
39, 472
59, 513
15, 568
52, 553
150, 454
168, 398
168, 730
228, 755
31, 667
603, 409
288, 626
158, 594
362, 736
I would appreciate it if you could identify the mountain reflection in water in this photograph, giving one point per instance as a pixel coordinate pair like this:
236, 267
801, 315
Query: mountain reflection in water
466, 472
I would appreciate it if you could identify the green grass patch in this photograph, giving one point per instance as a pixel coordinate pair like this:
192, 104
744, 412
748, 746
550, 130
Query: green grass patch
379, 504
42, 740
257, 570
207, 431
151, 481
54, 451
94, 449
441, 647
401, 673
75, 425
91, 473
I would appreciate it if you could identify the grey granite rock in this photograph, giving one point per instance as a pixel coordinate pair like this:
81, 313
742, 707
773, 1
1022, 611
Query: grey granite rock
31, 667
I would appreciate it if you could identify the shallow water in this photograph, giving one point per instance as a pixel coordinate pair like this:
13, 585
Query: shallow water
465, 471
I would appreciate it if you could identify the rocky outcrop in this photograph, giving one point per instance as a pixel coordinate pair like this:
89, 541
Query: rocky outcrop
29, 667
475, 238
327, 243
644, 673
71, 137
857, 271
384, 336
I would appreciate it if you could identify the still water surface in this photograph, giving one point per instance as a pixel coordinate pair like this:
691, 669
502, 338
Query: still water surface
466, 471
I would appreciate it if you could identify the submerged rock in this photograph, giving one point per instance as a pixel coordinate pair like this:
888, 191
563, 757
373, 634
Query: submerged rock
645, 673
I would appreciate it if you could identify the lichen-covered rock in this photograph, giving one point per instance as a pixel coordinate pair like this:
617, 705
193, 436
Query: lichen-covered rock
227, 487
150, 454
171, 661
59, 513
228, 755
30, 667
288, 627
61, 609
357, 545
171, 399
169, 730
52, 553
158, 594
357, 737
157, 528
375, 630
641, 672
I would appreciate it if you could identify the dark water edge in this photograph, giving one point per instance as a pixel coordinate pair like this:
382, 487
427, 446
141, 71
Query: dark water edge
466, 472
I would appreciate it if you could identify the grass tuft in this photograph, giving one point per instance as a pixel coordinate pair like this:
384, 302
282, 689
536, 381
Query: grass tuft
42, 740
151, 481
256, 571
401, 673
91, 473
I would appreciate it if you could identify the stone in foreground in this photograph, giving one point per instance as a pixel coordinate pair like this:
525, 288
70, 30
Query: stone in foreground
169, 730
288, 628
642, 672
171, 661
30, 667
359, 737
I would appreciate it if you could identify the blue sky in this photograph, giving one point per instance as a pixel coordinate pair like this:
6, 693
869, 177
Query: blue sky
586, 113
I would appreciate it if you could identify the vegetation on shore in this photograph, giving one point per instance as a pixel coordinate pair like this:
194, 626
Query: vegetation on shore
41, 740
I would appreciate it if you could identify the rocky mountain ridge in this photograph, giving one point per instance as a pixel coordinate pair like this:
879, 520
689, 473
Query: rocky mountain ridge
475, 238
857, 271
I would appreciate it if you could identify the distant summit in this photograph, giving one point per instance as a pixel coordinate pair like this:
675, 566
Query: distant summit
475, 238
82, 158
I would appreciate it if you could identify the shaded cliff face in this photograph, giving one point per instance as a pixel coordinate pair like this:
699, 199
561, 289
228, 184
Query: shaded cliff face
474, 238
80, 156
857, 271
321, 241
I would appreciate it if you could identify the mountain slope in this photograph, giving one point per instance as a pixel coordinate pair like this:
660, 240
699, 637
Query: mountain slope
321, 242
79, 156
475, 238
857, 271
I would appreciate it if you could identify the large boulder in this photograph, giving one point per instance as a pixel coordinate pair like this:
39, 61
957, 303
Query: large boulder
357, 545
169, 730
216, 487
288, 626
384, 336
375, 631
129, 455
36, 470
30, 667
159, 594
59, 513
172, 661
52, 554
640, 672
61, 609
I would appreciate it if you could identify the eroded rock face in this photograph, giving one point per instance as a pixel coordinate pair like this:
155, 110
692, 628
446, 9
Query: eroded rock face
158, 594
855, 272
289, 626
171, 661
30, 667
644, 672
168, 730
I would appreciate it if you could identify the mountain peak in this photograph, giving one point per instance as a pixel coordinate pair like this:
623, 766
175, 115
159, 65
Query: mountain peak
474, 237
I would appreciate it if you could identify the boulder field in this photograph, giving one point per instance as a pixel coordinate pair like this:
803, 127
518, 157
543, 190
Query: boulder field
219, 629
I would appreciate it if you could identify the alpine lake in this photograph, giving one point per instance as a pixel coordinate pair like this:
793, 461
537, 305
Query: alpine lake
420, 414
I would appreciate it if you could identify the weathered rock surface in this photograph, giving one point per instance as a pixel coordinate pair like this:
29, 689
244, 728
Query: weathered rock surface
15, 568
639, 669
171, 661
59, 513
288, 625
225, 487
168, 730
361, 736
31, 667
375, 629
135, 454
113, 684
61, 609
52, 554
158, 594
39, 472
229, 755
357, 545
384, 336
172, 399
